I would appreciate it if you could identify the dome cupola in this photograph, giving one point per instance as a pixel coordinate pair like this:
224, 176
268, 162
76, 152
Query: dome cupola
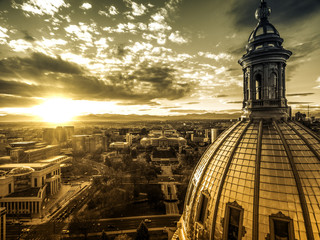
264, 70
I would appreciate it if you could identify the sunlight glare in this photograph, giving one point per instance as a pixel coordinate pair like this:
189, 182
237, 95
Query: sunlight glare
56, 110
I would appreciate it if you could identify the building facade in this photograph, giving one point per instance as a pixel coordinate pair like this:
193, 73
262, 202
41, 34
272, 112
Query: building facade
24, 187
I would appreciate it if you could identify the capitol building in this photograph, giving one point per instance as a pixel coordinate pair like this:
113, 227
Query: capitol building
260, 179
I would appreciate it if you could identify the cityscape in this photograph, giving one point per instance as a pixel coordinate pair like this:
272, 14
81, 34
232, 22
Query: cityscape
159, 120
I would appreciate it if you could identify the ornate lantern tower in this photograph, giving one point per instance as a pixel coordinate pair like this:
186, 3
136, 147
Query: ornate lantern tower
264, 70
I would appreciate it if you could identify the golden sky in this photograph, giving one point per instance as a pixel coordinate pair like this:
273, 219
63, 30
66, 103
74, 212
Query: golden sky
156, 57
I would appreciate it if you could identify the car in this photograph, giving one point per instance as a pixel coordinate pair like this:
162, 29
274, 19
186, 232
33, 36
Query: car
65, 231
25, 230
147, 220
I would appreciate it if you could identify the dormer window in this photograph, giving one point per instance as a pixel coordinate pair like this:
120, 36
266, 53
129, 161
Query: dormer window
281, 227
233, 222
202, 208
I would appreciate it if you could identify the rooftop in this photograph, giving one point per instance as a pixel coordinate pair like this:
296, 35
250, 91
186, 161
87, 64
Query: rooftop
31, 192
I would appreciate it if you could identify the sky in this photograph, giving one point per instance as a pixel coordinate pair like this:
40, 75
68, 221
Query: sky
63, 58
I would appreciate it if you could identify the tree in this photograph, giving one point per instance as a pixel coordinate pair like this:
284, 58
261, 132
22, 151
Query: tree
123, 237
142, 232
150, 174
81, 225
104, 236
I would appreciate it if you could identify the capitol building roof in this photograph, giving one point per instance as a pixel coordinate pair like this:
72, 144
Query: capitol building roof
261, 178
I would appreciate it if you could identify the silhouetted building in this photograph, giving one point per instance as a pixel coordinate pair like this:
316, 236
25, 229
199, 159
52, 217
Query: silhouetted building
261, 177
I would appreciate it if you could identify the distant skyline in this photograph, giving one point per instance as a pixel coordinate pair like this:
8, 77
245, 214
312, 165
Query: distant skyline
63, 58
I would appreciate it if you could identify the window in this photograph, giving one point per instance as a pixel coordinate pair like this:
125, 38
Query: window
35, 182
203, 208
233, 222
258, 80
9, 186
273, 86
281, 227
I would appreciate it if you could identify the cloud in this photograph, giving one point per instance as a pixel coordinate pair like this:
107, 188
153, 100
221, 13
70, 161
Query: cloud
28, 37
40, 7
172, 107
3, 35
177, 38
192, 103
217, 57
299, 102
8, 101
113, 10
234, 102
221, 96
86, 6
37, 63
137, 9
285, 11
187, 111
298, 94
20, 45
42, 76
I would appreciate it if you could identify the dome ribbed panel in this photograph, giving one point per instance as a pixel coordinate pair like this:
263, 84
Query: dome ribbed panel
308, 168
239, 183
278, 189
195, 192
209, 154
213, 172
313, 142
216, 167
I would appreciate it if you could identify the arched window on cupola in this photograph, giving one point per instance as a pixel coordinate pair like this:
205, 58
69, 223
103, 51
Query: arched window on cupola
273, 86
258, 83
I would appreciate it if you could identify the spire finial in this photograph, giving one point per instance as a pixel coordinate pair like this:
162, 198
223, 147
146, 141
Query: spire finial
263, 12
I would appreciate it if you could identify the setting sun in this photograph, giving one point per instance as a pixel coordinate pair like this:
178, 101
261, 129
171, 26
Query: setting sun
56, 110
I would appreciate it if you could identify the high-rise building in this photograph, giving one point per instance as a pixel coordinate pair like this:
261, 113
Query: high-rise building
261, 177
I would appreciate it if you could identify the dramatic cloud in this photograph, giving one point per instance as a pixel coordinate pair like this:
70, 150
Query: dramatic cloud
40, 7
170, 53
7, 101
36, 64
284, 12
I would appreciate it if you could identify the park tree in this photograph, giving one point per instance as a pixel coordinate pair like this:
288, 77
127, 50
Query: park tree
123, 237
142, 232
104, 236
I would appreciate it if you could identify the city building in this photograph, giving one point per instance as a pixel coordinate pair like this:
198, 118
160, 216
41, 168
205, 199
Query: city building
31, 151
57, 135
129, 138
163, 141
88, 143
119, 145
23, 187
215, 132
261, 178
2, 223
